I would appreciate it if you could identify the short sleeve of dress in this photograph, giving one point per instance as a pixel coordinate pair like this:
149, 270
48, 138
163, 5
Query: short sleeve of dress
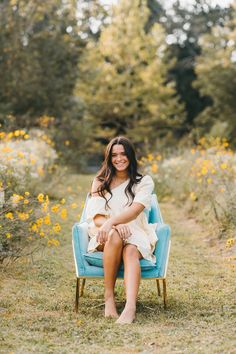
143, 192
96, 205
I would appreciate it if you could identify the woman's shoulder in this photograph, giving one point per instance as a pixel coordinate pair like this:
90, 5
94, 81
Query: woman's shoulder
95, 186
146, 180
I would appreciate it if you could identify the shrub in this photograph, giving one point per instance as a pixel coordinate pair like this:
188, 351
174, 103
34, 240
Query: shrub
27, 221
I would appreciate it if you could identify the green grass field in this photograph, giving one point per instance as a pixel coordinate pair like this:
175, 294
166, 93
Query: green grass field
37, 298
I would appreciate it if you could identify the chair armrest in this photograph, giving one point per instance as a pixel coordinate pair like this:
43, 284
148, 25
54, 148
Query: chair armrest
162, 249
80, 244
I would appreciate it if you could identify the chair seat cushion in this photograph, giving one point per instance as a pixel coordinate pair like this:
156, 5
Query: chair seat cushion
96, 258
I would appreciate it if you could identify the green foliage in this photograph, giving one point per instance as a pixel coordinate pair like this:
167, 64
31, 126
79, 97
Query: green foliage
39, 53
184, 25
123, 79
216, 72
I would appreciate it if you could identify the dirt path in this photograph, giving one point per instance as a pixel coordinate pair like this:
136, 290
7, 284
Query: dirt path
37, 302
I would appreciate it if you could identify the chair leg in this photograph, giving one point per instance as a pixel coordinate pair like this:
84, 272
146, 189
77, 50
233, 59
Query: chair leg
82, 288
164, 293
77, 295
158, 287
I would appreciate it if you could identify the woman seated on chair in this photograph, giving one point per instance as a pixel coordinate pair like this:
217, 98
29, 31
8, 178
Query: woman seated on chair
118, 225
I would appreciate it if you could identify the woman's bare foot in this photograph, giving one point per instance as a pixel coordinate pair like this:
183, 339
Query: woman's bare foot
127, 316
110, 308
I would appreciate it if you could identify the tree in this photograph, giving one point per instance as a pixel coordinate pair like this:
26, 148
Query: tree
39, 49
216, 77
123, 79
184, 25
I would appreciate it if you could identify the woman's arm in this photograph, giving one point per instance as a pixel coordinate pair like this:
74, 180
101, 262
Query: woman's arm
131, 213
126, 216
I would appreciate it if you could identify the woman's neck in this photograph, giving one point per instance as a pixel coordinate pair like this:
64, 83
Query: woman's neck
121, 175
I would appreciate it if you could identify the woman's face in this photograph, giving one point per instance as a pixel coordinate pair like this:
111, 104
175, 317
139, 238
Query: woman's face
119, 158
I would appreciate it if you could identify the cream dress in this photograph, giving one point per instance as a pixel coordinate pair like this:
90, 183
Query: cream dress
143, 235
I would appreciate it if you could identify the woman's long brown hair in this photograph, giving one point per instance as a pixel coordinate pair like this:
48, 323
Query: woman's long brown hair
107, 171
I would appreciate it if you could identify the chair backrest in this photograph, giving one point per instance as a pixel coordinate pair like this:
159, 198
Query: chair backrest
153, 215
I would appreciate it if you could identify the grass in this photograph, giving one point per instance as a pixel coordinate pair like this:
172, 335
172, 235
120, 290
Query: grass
37, 299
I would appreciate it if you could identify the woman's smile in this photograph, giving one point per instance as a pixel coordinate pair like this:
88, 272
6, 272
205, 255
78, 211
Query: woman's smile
119, 159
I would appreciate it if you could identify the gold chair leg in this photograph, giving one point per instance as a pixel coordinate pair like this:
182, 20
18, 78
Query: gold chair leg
82, 287
158, 287
164, 293
77, 295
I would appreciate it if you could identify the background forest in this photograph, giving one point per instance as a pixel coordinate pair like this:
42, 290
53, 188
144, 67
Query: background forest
84, 72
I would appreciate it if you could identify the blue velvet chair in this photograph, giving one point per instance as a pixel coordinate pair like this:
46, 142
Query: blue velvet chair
89, 265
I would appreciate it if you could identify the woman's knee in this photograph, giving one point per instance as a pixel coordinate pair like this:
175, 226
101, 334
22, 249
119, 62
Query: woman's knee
130, 252
114, 240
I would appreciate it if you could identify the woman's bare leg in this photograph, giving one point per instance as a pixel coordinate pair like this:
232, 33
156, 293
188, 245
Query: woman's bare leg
111, 261
132, 276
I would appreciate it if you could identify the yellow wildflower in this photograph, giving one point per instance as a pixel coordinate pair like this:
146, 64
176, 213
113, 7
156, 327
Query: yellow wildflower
26, 201
193, 196
67, 142
23, 216
40, 198
21, 154
7, 149
224, 166
26, 136
47, 220
27, 193
74, 205
204, 170
209, 180
64, 213
34, 228
39, 222
41, 234
9, 216
8, 235
154, 168
63, 201
57, 228
230, 242
55, 208
150, 157
53, 242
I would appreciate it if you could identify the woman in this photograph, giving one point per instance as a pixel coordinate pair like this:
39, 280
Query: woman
118, 225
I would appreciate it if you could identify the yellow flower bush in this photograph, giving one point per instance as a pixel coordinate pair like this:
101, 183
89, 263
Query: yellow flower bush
204, 177
26, 219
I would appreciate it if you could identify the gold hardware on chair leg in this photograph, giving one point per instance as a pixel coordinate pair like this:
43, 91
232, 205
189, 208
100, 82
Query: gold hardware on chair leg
77, 294
164, 293
158, 287
82, 287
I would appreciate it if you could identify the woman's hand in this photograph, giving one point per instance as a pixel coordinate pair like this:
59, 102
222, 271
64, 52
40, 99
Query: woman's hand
123, 231
104, 231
